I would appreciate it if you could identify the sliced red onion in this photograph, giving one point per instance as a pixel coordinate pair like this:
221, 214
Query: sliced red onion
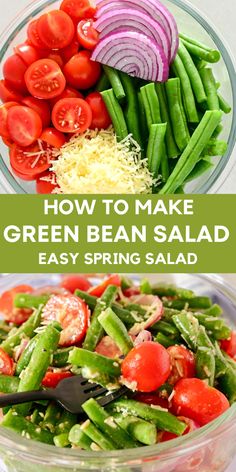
107, 347
152, 303
128, 19
142, 337
133, 53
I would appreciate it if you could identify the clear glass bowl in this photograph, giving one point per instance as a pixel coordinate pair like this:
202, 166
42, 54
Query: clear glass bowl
209, 449
192, 22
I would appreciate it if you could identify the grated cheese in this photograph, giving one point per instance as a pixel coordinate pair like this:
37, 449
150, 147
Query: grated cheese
95, 162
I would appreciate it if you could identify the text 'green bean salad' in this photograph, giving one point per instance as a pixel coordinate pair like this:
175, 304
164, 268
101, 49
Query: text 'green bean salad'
172, 349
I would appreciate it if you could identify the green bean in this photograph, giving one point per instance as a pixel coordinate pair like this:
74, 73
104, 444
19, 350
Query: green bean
26, 355
143, 431
12, 420
107, 425
114, 79
191, 154
188, 327
210, 89
171, 147
51, 417
203, 339
79, 439
66, 422
145, 287
186, 88
163, 420
131, 110
200, 168
36, 416
126, 282
94, 362
114, 327
26, 330
177, 114
224, 106
166, 328
156, 147
193, 73
61, 440
26, 300
103, 83
116, 113
216, 326
32, 376
192, 303
151, 104
95, 330
199, 63
143, 122
205, 365
169, 290
137, 310
165, 169
97, 436
8, 384
60, 358
169, 313
214, 310
200, 50
164, 340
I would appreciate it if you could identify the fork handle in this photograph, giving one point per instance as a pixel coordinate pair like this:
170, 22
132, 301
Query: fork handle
24, 397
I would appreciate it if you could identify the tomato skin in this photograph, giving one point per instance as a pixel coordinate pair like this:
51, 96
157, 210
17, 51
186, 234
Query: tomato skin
33, 35
229, 345
56, 29
10, 313
74, 282
52, 379
152, 399
69, 92
57, 58
24, 124
44, 79
182, 364
4, 110
41, 107
14, 72
71, 115
81, 72
87, 35
8, 94
100, 289
24, 164
73, 315
148, 365
27, 178
27, 53
197, 401
78, 9
53, 137
131, 291
68, 52
8, 142
101, 118
6, 364
43, 186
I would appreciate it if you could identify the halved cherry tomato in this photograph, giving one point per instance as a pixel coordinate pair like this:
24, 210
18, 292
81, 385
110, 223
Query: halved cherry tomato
27, 53
196, 400
41, 107
44, 79
4, 109
131, 291
26, 177
107, 347
100, 289
33, 35
8, 142
53, 137
10, 313
54, 56
56, 29
6, 363
101, 118
14, 70
147, 366
81, 72
182, 364
72, 314
8, 94
69, 92
72, 115
78, 9
52, 379
24, 125
74, 282
68, 52
152, 399
87, 35
30, 161
229, 345
48, 185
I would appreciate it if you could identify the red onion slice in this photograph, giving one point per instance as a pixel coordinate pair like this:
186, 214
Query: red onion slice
133, 53
151, 303
142, 337
128, 19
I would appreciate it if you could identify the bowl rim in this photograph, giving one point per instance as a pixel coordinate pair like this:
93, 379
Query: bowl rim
221, 170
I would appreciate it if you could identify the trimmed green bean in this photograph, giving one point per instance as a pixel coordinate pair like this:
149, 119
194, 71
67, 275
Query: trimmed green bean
114, 327
131, 110
116, 113
165, 328
164, 340
51, 417
114, 79
203, 339
192, 303
94, 361
66, 422
217, 131
186, 88
177, 113
214, 310
97, 436
151, 104
60, 358
170, 290
224, 106
103, 83
145, 287
78, 438
156, 147
61, 440
26, 330
143, 122
143, 431
201, 51
208, 81
12, 420
8, 384
205, 364
26, 300
171, 147
26, 355
193, 73
188, 327
200, 168
216, 326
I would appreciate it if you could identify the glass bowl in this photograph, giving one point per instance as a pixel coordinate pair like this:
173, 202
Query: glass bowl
190, 21
208, 449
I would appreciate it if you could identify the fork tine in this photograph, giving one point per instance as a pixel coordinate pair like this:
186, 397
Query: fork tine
112, 396
98, 392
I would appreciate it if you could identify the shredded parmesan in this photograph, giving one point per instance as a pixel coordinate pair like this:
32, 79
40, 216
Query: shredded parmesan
95, 162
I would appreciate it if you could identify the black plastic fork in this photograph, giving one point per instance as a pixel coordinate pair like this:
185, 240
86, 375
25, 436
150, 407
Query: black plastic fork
70, 393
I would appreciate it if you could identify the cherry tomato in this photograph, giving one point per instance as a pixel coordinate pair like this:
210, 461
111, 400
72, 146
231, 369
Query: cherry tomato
147, 365
101, 118
53, 137
52, 379
152, 399
44, 79
41, 107
78, 9
182, 364
74, 282
48, 185
81, 72
6, 363
100, 289
54, 56
196, 400
73, 315
87, 35
26, 177
8, 141
72, 115
229, 345
14, 70
7, 93
10, 313
190, 427
4, 109
33, 35
130, 292
69, 92
27, 53
108, 348
68, 52
56, 29
24, 125
29, 161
